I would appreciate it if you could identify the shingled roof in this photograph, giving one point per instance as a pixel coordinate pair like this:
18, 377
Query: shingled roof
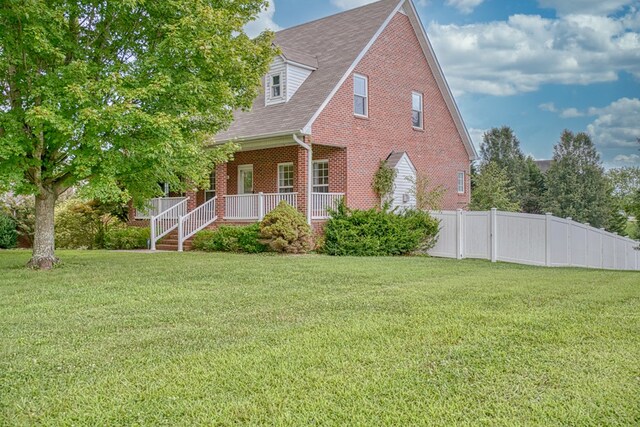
334, 42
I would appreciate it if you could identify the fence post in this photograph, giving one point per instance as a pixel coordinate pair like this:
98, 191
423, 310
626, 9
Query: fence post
547, 245
493, 234
602, 236
459, 235
260, 206
180, 243
569, 235
153, 233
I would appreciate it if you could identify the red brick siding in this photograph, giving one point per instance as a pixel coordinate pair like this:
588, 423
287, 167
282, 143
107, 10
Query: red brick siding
395, 67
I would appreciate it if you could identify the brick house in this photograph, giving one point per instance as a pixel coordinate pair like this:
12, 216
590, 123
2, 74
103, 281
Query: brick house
347, 91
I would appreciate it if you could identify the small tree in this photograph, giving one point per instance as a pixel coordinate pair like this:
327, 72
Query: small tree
284, 229
119, 96
492, 190
427, 198
532, 198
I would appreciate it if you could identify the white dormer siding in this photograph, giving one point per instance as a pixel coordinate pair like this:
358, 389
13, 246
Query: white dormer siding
292, 76
296, 75
402, 196
278, 67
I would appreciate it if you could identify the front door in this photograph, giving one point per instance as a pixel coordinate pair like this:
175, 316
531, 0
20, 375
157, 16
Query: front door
245, 179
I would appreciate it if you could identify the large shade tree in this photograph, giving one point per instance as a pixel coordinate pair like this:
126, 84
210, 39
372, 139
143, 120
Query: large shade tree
119, 95
576, 183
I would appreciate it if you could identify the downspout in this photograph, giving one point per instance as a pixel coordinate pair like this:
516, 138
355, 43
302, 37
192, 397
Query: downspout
309, 174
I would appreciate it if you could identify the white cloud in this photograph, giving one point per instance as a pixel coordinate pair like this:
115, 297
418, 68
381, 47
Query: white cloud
616, 125
464, 6
526, 51
630, 159
263, 22
476, 136
548, 106
571, 113
595, 7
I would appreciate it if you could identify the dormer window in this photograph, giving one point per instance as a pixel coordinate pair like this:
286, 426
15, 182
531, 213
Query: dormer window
276, 90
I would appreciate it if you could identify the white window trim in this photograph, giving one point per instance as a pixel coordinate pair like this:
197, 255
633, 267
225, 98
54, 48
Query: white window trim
271, 76
464, 183
421, 95
240, 169
313, 176
292, 187
366, 95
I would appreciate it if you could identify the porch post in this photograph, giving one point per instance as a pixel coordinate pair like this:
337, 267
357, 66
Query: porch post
221, 189
302, 180
192, 203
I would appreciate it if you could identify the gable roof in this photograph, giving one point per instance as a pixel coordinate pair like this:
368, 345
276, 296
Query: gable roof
396, 156
333, 46
335, 42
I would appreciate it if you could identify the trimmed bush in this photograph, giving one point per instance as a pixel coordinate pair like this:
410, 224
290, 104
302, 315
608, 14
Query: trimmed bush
284, 229
127, 238
377, 232
8, 232
230, 239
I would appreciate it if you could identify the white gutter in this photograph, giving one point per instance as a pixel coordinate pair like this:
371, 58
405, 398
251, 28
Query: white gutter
309, 173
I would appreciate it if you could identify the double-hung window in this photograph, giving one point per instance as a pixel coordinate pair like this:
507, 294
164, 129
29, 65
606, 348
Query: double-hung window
211, 192
416, 110
460, 182
360, 95
321, 176
276, 86
285, 178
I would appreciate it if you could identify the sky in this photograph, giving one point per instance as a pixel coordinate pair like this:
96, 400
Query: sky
538, 66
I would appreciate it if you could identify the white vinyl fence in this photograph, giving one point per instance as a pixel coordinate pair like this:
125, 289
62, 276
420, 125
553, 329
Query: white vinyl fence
532, 239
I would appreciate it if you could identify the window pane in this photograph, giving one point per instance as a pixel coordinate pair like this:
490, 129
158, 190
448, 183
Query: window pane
321, 177
416, 119
360, 86
276, 79
212, 181
416, 102
275, 91
359, 105
460, 182
285, 178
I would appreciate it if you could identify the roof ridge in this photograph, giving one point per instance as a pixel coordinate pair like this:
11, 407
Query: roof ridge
334, 15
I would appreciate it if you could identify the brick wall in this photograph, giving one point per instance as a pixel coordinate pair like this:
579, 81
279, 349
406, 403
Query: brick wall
395, 66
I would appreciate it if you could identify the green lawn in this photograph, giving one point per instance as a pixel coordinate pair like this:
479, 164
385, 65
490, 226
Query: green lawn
217, 339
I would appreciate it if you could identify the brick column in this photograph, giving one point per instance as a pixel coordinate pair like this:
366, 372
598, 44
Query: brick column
192, 203
302, 176
221, 189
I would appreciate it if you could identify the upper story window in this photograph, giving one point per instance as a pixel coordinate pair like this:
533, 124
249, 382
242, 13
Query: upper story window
276, 85
460, 182
360, 95
321, 176
416, 110
285, 178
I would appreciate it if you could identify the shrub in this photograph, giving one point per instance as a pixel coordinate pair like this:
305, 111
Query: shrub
230, 239
284, 229
8, 232
82, 225
377, 232
23, 211
127, 238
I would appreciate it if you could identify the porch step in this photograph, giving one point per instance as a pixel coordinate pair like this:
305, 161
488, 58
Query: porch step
170, 242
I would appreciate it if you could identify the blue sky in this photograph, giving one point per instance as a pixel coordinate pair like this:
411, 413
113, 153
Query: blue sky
539, 66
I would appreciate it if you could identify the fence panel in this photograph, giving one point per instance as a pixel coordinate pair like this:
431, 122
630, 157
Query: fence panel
521, 238
446, 244
532, 239
477, 231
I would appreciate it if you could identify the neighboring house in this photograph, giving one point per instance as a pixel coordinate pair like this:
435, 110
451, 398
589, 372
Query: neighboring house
348, 91
543, 165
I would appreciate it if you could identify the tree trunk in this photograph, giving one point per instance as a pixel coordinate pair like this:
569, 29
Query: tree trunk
43, 257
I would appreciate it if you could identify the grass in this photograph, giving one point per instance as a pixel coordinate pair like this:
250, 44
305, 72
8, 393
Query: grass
218, 339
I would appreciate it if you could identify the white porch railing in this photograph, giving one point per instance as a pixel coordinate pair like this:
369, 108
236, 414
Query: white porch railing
321, 202
157, 206
196, 220
166, 221
255, 206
